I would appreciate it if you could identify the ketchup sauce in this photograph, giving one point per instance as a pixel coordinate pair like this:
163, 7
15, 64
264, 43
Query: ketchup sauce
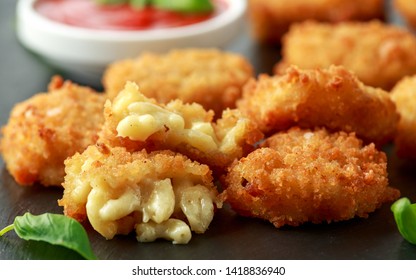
88, 14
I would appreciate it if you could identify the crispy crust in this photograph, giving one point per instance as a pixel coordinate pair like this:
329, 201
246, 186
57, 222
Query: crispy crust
47, 128
333, 98
209, 77
379, 54
271, 19
309, 176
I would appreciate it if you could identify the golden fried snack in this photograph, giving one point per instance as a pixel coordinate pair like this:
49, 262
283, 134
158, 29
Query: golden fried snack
47, 128
407, 9
303, 176
271, 19
210, 77
136, 122
379, 54
333, 98
158, 195
404, 95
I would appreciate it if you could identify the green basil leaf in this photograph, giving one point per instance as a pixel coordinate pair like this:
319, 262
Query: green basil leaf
6, 229
186, 6
405, 217
55, 229
139, 3
111, 2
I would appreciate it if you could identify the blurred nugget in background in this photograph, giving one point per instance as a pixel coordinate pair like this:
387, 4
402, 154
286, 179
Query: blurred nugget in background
379, 54
210, 77
404, 95
271, 19
407, 10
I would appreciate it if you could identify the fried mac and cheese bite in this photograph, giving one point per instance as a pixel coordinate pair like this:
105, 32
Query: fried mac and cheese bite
333, 98
157, 195
407, 10
136, 122
404, 95
302, 176
379, 54
45, 129
210, 77
271, 19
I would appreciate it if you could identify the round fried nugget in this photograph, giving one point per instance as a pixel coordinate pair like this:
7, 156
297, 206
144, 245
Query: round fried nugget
404, 95
155, 193
408, 10
379, 54
47, 128
210, 77
333, 98
304, 176
137, 122
271, 19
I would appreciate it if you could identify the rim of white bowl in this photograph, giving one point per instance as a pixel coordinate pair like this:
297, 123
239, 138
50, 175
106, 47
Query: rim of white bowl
235, 10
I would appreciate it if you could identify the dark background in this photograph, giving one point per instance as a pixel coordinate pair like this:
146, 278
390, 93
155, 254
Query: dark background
22, 74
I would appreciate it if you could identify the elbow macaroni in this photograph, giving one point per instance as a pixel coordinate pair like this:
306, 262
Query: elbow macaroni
146, 118
160, 203
196, 204
171, 229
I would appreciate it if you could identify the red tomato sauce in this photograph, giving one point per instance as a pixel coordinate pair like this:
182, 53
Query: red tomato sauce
88, 14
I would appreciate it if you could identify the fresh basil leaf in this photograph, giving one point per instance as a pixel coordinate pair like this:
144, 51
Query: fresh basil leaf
186, 6
55, 229
139, 3
6, 229
111, 2
405, 217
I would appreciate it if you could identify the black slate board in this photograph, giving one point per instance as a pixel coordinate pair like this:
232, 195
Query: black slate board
230, 237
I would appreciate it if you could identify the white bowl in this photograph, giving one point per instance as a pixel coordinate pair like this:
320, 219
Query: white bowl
85, 53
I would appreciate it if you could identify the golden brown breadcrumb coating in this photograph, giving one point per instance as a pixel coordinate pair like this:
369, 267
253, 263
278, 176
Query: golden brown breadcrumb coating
119, 191
45, 129
404, 95
136, 122
304, 176
272, 18
333, 98
407, 10
379, 54
210, 77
